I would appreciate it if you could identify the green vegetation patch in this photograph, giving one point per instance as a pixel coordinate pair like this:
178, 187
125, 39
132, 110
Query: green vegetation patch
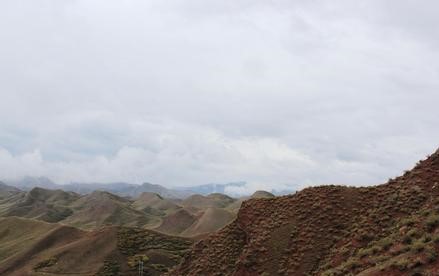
132, 241
158, 252
110, 268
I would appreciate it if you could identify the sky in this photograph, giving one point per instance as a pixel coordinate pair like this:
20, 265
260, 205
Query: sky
280, 94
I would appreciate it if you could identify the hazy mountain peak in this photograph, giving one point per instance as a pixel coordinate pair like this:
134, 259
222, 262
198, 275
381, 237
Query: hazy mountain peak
262, 194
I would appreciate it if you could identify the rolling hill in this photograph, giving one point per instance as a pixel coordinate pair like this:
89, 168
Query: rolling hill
177, 222
7, 191
262, 194
127, 189
389, 229
152, 202
211, 220
118, 188
102, 208
30, 247
185, 224
198, 215
202, 202
38, 203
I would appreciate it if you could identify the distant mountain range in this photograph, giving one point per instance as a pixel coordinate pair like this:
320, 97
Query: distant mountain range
6, 190
28, 183
211, 188
134, 190
118, 188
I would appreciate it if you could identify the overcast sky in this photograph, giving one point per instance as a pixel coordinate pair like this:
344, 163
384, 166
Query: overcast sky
184, 92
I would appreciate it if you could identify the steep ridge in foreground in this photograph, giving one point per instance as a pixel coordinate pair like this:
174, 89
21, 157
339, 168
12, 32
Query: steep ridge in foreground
390, 229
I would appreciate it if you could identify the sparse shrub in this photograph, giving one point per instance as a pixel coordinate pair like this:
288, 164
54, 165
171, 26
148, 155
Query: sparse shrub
426, 238
426, 213
401, 264
46, 263
133, 261
344, 250
406, 239
380, 259
375, 249
385, 243
415, 263
405, 248
431, 222
413, 233
365, 236
407, 222
430, 253
159, 267
110, 268
351, 264
417, 246
362, 252
332, 272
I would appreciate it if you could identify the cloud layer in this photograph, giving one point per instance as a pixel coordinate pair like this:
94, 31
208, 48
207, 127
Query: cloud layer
276, 93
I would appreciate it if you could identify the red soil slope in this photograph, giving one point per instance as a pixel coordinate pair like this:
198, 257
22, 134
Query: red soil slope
390, 229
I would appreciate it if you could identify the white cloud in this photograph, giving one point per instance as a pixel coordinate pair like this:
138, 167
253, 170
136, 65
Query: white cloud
173, 154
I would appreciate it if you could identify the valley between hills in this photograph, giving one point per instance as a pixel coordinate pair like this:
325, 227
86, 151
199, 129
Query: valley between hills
387, 229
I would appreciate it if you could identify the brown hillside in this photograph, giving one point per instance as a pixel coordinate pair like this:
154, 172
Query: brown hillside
176, 223
202, 202
102, 208
212, 220
262, 194
39, 203
192, 221
390, 229
16, 234
149, 202
234, 207
30, 247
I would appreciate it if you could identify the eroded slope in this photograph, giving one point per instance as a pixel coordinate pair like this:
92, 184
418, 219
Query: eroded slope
325, 231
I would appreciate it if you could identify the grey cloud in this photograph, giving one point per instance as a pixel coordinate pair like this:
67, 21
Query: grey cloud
190, 92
